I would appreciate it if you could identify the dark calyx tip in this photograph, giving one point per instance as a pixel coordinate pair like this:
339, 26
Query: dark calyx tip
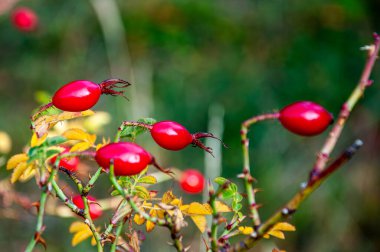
196, 142
108, 87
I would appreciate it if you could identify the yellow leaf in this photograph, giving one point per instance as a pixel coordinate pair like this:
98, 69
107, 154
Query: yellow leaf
80, 236
277, 233
77, 226
18, 171
81, 146
93, 241
71, 115
81, 232
200, 222
5, 143
28, 173
221, 207
284, 226
142, 192
16, 159
148, 180
198, 209
79, 134
168, 197
44, 123
37, 141
246, 230
176, 202
150, 225
138, 219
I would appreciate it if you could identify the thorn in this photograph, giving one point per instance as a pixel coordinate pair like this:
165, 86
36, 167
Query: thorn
37, 205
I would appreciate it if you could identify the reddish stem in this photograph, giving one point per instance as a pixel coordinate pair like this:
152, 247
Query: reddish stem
40, 110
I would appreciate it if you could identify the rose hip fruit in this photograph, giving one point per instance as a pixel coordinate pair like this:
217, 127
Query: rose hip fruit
192, 181
81, 95
305, 118
173, 136
94, 209
24, 19
69, 163
128, 158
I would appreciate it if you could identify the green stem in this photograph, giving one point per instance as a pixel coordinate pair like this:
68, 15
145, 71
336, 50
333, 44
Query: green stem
117, 234
41, 211
90, 223
293, 204
133, 205
248, 179
91, 182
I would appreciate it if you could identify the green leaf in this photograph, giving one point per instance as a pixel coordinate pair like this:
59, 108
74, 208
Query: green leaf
238, 197
228, 193
133, 131
236, 206
50, 153
54, 141
148, 180
220, 180
115, 193
142, 192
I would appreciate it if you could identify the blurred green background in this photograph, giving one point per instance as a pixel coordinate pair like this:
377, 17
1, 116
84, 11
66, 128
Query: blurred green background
185, 57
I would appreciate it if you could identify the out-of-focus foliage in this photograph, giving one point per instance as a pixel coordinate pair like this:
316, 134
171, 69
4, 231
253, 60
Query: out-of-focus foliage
248, 56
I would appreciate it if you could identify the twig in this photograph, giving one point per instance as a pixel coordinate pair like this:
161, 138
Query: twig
347, 107
40, 216
248, 179
291, 207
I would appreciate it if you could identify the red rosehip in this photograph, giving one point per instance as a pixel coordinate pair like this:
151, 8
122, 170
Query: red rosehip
95, 209
81, 95
173, 136
129, 158
70, 163
192, 181
24, 19
305, 118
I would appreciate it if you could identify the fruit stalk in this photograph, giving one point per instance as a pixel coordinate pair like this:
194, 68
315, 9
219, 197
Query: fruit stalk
248, 179
291, 207
347, 107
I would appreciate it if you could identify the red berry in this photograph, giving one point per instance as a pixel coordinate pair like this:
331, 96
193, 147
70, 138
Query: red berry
129, 158
24, 19
70, 164
77, 96
192, 181
305, 118
81, 95
171, 135
95, 209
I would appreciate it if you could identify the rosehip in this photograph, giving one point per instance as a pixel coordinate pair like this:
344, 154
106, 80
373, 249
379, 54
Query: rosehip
24, 19
129, 158
81, 95
70, 163
192, 181
173, 136
94, 209
305, 118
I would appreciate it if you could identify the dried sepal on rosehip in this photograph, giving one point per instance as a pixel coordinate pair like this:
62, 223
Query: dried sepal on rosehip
305, 118
128, 158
